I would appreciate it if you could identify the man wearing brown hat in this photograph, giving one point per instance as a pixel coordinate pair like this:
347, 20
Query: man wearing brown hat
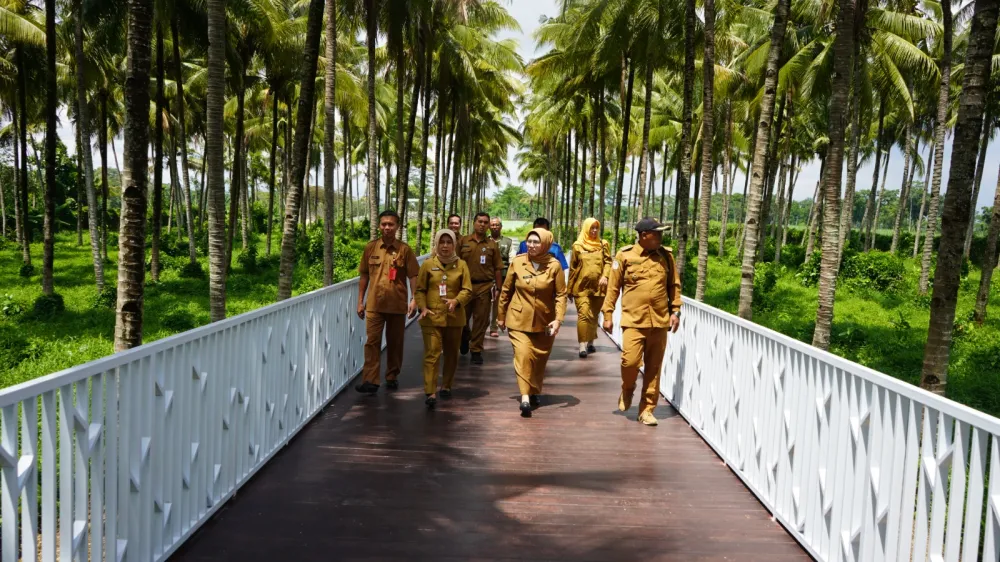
646, 277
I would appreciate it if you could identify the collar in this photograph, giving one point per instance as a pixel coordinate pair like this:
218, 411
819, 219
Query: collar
394, 244
475, 237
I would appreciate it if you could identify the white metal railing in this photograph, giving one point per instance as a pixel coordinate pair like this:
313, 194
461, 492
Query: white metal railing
123, 458
855, 464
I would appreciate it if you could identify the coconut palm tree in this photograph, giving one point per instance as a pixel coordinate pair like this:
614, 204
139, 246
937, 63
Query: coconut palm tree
957, 202
215, 92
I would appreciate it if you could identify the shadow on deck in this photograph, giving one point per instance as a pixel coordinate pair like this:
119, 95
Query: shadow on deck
383, 478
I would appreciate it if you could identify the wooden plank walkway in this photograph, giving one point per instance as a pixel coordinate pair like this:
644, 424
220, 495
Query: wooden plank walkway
382, 478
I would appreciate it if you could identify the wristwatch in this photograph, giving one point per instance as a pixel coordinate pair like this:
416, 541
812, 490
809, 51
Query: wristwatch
677, 313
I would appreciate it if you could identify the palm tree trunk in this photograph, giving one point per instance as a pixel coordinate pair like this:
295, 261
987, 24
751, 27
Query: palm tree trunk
314, 29
182, 140
957, 200
49, 193
79, 190
761, 144
604, 162
989, 260
987, 129
346, 187
400, 152
236, 175
727, 184
426, 129
132, 235
854, 104
626, 121
83, 124
904, 191
218, 247
154, 268
707, 147
940, 124
647, 112
684, 177
103, 140
273, 157
18, 219
814, 209
664, 174
329, 133
404, 191
843, 49
881, 201
23, 133
868, 219
371, 11
923, 199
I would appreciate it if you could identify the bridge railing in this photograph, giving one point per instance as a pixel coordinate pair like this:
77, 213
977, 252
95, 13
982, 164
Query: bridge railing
855, 464
123, 458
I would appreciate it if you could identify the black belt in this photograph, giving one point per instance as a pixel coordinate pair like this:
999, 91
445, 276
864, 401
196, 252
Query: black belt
475, 282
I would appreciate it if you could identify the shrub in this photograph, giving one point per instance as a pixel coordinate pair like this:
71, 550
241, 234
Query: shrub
107, 298
808, 274
47, 306
765, 279
14, 348
10, 308
27, 270
876, 270
792, 255
247, 259
179, 320
192, 270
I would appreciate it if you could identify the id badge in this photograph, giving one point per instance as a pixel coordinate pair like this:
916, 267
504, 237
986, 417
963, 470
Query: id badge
392, 274
443, 290
482, 259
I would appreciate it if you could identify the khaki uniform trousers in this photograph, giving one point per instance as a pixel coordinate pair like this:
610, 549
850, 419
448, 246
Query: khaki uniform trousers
478, 310
395, 330
643, 345
440, 340
531, 353
587, 309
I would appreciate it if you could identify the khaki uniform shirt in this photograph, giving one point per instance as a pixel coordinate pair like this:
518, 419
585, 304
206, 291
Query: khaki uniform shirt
504, 243
483, 259
387, 290
458, 285
530, 299
586, 269
649, 284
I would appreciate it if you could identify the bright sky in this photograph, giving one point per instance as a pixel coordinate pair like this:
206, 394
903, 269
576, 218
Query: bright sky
528, 12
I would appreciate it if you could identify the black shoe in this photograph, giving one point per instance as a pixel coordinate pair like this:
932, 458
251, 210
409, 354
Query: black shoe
525, 409
431, 402
583, 355
477, 358
464, 349
445, 393
392, 385
367, 388
533, 400
591, 348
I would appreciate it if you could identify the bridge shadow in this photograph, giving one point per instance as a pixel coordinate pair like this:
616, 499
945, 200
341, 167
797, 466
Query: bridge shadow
383, 478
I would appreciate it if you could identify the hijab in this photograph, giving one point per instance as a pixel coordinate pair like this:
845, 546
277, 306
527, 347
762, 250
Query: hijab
583, 239
545, 239
437, 239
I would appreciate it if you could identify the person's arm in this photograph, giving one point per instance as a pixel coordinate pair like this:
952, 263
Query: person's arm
614, 286
465, 295
602, 284
574, 271
420, 293
522, 247
412, 269
497, 269
560, 280
673, 294
506, 293
558, 253
363, 281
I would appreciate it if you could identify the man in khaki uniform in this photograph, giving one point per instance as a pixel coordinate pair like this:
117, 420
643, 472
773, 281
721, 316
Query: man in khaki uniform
455, 225
647, 279
482, 255
386, 265
505, 243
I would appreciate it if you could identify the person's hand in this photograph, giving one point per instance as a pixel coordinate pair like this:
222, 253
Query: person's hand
361, 311
603, 283
554, 328
569, 299
675, 323
502, 324
452, 304
425, 313
608, 325
411, 310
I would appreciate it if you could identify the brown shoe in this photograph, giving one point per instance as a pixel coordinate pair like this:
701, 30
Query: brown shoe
494, 334
648, 419
624, 401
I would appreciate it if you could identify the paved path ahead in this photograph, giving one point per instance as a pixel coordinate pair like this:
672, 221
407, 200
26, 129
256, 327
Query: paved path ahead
382, 478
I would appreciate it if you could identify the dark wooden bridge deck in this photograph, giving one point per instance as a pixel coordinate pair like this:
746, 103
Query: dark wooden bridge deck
382, 478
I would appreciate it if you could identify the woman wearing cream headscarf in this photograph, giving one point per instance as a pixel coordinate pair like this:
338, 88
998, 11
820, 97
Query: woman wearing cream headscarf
444, 287
589, 268
532, 305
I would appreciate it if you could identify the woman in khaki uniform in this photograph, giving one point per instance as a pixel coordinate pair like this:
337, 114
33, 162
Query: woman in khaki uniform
444, 287
589, 268
532, 304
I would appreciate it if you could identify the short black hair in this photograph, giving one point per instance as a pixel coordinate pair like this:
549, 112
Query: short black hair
481, 214
541, 222
449, 218
388, 213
